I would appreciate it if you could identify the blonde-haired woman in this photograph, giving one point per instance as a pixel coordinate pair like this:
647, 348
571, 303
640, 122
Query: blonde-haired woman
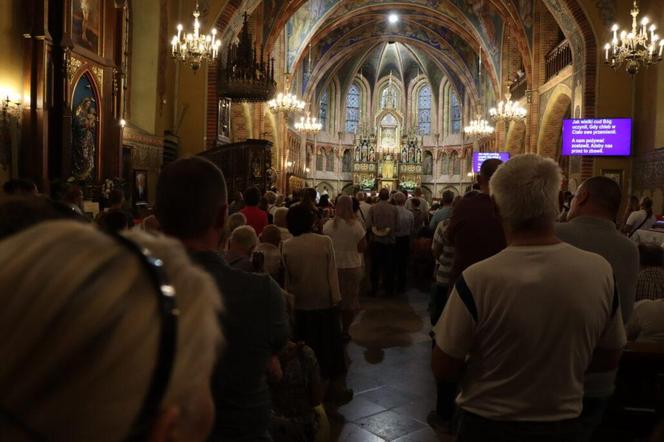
104, 338
348, 239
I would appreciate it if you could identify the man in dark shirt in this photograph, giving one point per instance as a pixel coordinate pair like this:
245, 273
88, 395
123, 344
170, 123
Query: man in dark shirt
476, 233
191, 205
475, 230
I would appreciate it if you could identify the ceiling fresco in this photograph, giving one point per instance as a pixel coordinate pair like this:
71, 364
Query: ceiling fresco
485, 20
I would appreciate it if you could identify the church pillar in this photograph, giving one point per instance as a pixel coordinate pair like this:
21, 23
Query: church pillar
38, 45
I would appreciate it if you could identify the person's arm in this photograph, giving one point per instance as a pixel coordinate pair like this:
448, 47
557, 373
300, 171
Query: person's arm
369, 221
437, 243
446, 367
362, 245
434, 220
633, 329
454, 333
278, 328
332, 275
608, 350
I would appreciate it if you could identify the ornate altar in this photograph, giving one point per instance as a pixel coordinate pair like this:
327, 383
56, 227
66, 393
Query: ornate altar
245, 164
377, 167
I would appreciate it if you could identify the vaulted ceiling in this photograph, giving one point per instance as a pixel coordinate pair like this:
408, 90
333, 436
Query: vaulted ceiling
437, 38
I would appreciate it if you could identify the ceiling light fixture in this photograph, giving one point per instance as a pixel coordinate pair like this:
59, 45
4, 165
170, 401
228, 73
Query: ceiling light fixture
636, 48
195, 48
393, 18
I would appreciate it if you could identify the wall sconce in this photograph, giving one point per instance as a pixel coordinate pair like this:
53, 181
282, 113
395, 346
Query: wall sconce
123, 123
10, 109
10, 106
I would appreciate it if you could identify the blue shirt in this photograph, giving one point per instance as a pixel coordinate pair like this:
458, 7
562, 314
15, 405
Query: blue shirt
441, 215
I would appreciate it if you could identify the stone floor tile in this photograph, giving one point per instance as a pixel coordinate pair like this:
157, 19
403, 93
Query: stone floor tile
387, 397
425, 435
359, 408
353, 433
390, 425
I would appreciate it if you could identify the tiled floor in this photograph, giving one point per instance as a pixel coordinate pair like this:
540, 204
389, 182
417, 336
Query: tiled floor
389, 372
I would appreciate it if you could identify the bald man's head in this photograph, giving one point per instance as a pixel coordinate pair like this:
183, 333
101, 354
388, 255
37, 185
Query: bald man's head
597, 196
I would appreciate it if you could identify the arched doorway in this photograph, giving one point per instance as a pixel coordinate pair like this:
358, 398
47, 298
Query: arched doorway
558, 107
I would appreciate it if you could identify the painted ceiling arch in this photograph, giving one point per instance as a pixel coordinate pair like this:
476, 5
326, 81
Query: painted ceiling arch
358, 52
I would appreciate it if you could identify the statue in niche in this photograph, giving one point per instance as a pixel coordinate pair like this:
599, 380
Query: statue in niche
404, 154
419, 156
358, 154
84, 139
372, 155
411, 155
427, 165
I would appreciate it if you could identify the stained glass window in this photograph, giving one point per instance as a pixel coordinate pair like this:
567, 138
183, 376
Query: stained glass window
352, 108
322, 110
424, 110
389, 98
455, 112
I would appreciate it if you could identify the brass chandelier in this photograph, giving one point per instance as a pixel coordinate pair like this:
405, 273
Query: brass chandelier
285, 102
308, 125
639, 47
195, 48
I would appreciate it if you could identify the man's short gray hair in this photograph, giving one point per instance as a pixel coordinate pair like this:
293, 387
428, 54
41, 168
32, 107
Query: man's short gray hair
245, 237
525, 190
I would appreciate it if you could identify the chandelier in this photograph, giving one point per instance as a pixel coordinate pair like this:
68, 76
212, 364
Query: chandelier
508, 110
195, 48
246, 77
634, 48
308, 125
286, 102
478, 127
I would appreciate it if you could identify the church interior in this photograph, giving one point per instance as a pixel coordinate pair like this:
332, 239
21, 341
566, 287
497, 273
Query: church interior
343, 97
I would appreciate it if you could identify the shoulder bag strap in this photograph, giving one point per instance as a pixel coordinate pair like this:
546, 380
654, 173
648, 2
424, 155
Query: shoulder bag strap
640, 225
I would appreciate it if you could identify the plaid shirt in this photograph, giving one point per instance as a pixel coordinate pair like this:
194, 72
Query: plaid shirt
650, 283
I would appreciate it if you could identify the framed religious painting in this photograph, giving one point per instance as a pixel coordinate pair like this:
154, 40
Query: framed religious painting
615, 175
140, 193
86, 24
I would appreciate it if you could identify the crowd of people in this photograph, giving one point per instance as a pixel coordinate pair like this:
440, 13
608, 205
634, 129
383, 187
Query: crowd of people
210, 319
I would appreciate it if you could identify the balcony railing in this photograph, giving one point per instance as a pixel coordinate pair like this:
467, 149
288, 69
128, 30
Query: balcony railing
557, 59
518, 88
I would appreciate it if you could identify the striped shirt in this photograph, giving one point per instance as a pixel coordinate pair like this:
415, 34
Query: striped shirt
445, 261
650, 284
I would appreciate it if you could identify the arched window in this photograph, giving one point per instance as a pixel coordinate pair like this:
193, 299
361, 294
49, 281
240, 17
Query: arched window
353, 101
427, 163
445, 165
347, 161
424, 110
454, 157
456, 164
389, 97
322, 109
320, 160
329, 162
455, 114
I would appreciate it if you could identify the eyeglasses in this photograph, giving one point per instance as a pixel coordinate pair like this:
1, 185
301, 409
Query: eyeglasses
168, 313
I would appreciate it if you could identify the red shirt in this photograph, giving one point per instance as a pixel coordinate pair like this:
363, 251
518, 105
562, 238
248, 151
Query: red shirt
256, 218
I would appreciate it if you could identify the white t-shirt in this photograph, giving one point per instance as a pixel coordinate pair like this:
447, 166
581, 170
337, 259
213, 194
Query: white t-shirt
345, 238
527, 321
647, 321
636, 220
